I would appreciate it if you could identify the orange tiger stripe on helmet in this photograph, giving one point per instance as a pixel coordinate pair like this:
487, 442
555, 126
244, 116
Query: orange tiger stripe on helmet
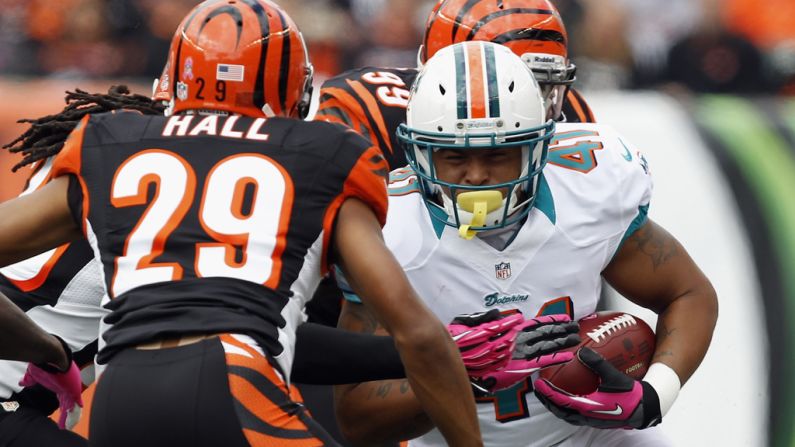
244, 57
522, 25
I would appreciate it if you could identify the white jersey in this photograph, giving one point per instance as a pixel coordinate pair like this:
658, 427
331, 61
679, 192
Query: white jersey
594, 193
61, 291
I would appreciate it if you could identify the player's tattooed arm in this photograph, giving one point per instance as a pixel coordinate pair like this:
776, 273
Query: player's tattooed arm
654, 270
405, 419
423, 343
392, 409
659, 246
357, 317
663, 332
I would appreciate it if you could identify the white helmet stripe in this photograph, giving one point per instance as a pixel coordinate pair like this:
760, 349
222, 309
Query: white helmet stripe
461, 82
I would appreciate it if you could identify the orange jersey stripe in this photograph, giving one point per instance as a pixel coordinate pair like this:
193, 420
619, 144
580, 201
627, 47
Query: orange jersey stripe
346, 103
69, 161
366, 182
373, 109
333, 110
580, 107
260, 440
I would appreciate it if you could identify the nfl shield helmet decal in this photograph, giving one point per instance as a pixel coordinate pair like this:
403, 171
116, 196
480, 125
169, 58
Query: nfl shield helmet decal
503, 270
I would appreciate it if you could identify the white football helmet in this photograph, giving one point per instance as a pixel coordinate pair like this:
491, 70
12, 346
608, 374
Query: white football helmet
476, 95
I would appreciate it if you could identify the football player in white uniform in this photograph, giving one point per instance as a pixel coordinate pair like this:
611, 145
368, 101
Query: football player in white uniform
500, 209
59, 290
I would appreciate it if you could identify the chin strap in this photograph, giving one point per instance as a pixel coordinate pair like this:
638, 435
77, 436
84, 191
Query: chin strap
480, 204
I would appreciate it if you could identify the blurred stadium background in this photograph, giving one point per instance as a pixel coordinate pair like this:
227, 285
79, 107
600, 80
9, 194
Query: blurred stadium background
706, 88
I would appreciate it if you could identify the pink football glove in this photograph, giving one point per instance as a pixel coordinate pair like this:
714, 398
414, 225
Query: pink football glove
619, 402
67, 386
501, 349
538, 344
485, 339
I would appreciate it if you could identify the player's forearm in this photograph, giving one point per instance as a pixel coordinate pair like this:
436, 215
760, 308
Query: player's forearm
438, 379
381, 412
681, 342
23, 340
374, 413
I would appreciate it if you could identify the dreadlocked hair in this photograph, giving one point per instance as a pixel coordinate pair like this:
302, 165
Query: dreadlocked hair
47, 135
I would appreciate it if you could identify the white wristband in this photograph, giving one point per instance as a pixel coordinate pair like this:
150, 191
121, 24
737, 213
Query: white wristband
665, 382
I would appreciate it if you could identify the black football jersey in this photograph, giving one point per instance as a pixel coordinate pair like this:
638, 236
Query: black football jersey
210, 224
372, 101
575, 109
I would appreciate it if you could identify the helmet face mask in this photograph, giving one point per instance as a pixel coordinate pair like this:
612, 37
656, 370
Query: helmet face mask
488, 101
443, 195
532, 29
242, 56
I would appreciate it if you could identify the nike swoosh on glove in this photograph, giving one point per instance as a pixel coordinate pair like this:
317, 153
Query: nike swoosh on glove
67, 386
619, 402
537, 345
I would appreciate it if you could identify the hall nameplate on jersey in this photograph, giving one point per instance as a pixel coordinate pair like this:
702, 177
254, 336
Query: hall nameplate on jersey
214, 125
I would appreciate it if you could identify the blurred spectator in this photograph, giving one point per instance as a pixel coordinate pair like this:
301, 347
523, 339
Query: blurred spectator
597, 43
771, 26
392, 31
329, 30
615, 43
87, 38
767, 24
652, 29
713, 59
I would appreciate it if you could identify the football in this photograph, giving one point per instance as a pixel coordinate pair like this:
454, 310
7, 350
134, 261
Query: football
625, 340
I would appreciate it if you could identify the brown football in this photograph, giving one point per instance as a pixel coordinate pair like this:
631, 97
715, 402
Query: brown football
624, 340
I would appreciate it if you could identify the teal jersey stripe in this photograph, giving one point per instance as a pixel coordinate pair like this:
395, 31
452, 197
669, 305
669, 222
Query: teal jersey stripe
570, 135
491, 77
352, 297
403, 190
461, 82
641, 218
342, 283
400, 174
438, 217
768, 166
544, 201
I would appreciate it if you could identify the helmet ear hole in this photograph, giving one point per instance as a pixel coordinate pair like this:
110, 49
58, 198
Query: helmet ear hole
510, 89
442, 90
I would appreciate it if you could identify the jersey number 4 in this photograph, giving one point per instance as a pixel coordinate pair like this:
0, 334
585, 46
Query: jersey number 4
579, 156
221, 215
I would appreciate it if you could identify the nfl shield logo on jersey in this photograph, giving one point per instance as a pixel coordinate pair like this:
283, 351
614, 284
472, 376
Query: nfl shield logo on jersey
503, 270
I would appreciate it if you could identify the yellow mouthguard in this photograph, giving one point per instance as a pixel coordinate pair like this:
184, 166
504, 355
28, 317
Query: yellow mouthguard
479, 203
